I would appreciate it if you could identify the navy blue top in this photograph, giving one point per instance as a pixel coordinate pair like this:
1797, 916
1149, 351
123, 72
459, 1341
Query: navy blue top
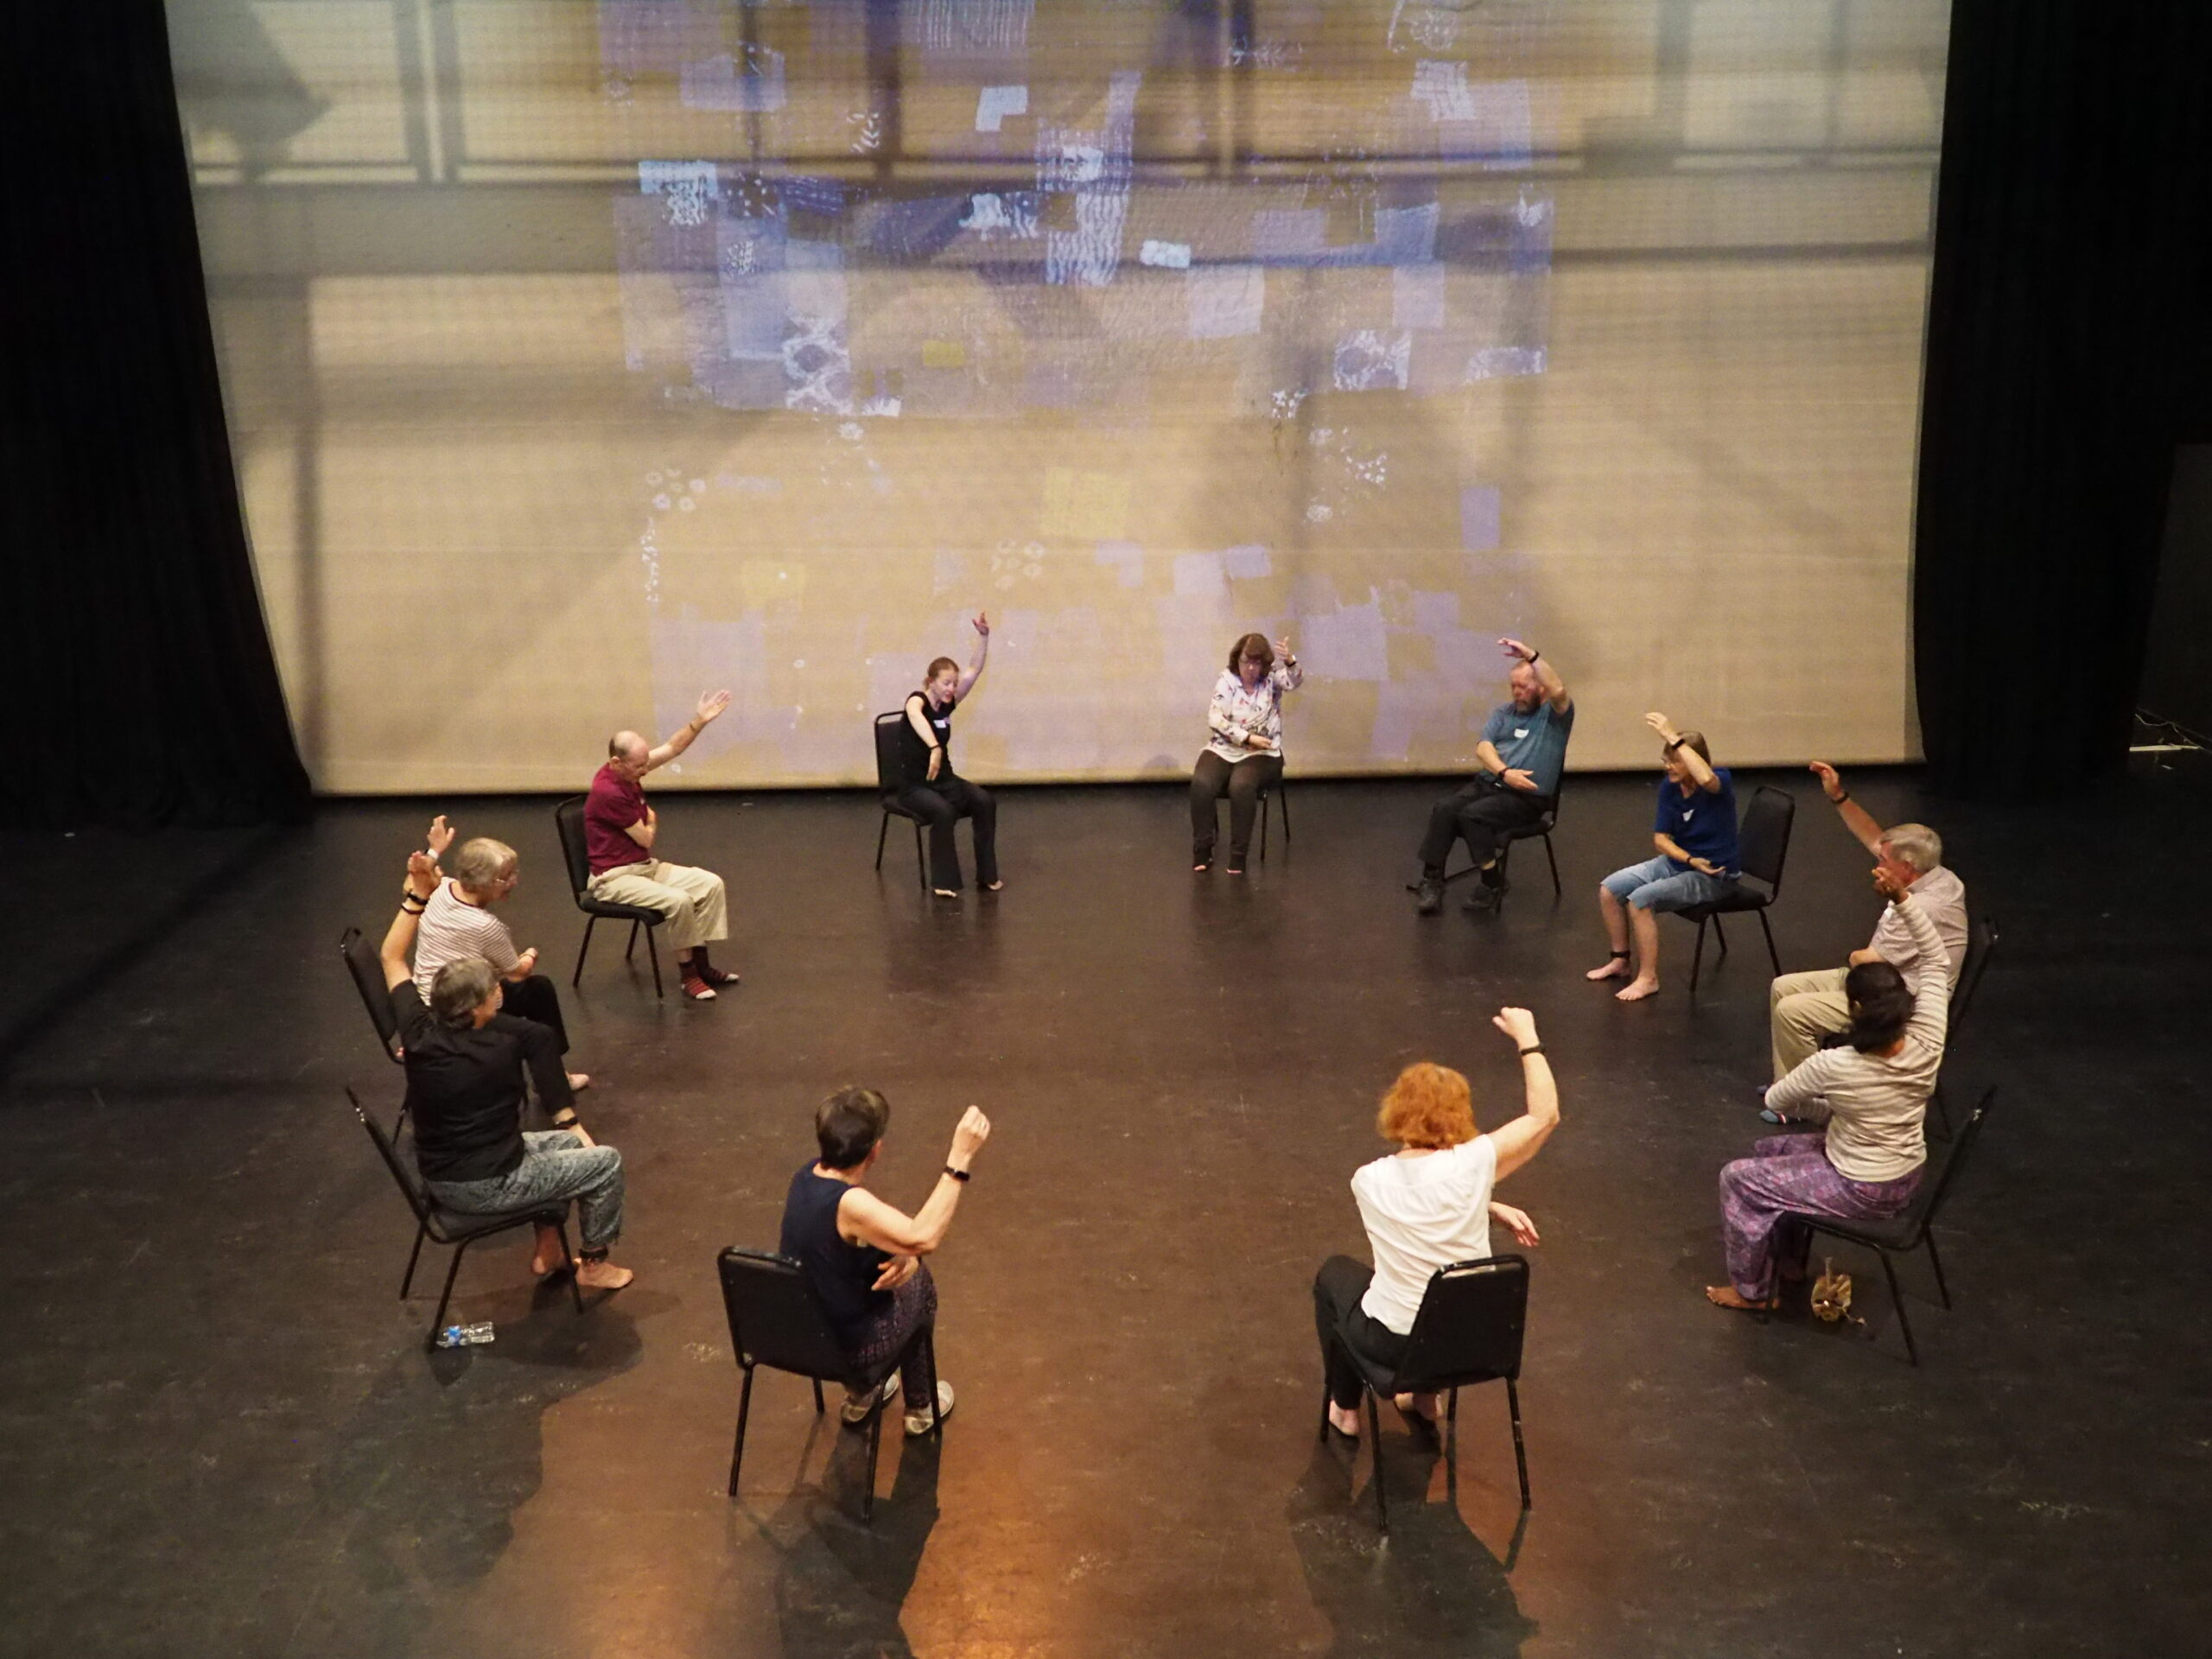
841, 1274
1703, 824
1534, 742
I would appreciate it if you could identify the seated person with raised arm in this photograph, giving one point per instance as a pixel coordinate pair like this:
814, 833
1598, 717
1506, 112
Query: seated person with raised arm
1424, 1206
1695, 829
620, 837
465, 1067
1243, 758
1803, 1008
1522, 753
459, 923
863, 1256
933, 793
1871, 1095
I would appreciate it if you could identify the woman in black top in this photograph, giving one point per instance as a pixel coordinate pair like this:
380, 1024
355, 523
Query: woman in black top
933, 793
863, 1256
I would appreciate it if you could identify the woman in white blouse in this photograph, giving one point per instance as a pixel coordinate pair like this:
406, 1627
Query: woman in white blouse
1424, 1206
1244, 755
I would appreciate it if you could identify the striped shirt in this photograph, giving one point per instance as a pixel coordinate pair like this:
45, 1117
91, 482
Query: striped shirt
452, 928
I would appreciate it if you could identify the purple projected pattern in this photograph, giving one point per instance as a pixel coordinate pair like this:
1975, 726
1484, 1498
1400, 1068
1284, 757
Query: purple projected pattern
1087, 284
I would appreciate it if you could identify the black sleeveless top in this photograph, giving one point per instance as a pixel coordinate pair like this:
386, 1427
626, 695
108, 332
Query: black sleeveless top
843, 1273
917, 752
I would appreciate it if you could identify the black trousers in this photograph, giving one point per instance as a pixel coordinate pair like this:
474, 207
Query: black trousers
1340, 1324
1242, 781
1478, 811
535, 1000
942, 804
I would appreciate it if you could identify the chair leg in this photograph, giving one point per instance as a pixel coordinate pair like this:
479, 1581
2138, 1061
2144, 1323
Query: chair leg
921, 865
1936, 1262
1263, 828
881, 830
1551, 859
1720, 932
818, 1406
1520, 1453
1322, 1433
654, 952
1452, 1444
1282, 801
1375, 1444
1697, 956
630, 951
929, 1355
1896, 1301
582, 950
413, 1257
743, 1410
575, 1290
1772, 955
453, 1271
875, 1445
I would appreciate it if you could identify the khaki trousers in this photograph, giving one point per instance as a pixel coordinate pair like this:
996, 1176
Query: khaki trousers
693, 900
1802, 1009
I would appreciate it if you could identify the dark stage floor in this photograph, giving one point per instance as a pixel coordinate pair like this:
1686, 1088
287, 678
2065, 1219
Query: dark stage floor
222, 1435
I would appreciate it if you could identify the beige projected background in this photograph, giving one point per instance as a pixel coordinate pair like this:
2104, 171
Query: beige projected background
583, 356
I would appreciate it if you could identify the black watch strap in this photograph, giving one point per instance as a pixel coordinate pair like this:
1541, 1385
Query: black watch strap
1533, 1048
958, 1174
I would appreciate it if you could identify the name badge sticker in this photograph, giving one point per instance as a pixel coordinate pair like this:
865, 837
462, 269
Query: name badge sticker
1520, 731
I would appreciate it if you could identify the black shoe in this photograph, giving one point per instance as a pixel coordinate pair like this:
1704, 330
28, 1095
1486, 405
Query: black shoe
1237, 863
1493, 876
1481, 897
1430, 897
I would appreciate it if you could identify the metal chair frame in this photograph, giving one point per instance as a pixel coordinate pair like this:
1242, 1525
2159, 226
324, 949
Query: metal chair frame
887, 786
366, 972
1541, 830
1756, 899
441, 1226
578, 865
1982, 941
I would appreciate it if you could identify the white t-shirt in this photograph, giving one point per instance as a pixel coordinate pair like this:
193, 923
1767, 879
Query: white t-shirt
452, 928
1422, 1214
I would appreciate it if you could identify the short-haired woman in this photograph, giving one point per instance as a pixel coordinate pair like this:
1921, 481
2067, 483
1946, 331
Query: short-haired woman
1872, 1096
1244, 754
933, 793
862, 1256
1695, 829
1424, 1206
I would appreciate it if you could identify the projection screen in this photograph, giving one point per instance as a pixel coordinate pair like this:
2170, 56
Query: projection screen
582, 357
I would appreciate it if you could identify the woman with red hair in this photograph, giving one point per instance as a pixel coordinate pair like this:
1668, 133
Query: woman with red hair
1424, 1206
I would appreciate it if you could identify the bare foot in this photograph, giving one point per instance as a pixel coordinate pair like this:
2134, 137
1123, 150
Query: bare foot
549, 1256
602, 1274
1725, 1296
994, 886
1637, 990
1617, 969
1416, 1405
578, 1081
946, 892
1346, 1423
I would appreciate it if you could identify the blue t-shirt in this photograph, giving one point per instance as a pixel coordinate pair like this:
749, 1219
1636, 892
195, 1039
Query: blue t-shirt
1534, 743
1703, 824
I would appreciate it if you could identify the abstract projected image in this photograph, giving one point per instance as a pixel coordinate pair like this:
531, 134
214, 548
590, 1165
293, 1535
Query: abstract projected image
584, 357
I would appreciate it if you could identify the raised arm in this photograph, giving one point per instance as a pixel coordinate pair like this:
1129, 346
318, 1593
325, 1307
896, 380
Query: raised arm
983, 626
1856, 818
710, 708
1931, 1002
1518, 1142
422, 878
1700, 773
1286, 674
1555, 692
868, 1218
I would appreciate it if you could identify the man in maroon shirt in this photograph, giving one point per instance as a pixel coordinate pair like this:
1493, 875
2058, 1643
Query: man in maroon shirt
620, 830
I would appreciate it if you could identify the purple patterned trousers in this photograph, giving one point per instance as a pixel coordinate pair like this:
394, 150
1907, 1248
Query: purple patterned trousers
1787, 1173
913, 1304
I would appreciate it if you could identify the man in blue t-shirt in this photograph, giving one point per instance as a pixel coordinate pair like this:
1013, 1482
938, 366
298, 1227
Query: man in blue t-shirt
1695, 829
1523, 752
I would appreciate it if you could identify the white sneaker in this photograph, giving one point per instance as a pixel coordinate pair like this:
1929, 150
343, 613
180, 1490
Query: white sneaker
855, 1411
920, 1422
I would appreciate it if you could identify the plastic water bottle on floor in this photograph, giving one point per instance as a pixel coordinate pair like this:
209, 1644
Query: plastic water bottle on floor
465, 1336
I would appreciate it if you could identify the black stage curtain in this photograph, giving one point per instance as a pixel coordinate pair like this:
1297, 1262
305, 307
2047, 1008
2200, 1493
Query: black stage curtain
147, 691
2066, 321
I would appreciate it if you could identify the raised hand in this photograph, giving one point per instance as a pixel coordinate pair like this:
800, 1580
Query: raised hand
1515, 649
712, 704
1518, 1024
1831, 785
967, 1139
422, 874
1283, 651
440, 837
1659, 723
1891, 877
981, 623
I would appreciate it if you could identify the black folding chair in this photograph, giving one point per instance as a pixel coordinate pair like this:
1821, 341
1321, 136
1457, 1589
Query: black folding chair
776, 1320
1763, 842
1542, 829
1469, 1329
569, 822
1982, 941
890, 778
367, 969
1914, 1228
442, 1226
1281, 790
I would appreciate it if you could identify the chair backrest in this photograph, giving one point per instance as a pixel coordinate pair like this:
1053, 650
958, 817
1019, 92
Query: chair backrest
1929, 1198
367, 969
418, 1200
775, 1317
1763, 836
1470, 1324
890, 752
569, 824
1981, 939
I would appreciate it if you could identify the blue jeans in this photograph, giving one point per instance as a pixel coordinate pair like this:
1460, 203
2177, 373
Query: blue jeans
555, 1166
1655, 884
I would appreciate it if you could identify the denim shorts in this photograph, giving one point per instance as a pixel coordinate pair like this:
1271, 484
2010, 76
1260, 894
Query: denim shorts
1655, 884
